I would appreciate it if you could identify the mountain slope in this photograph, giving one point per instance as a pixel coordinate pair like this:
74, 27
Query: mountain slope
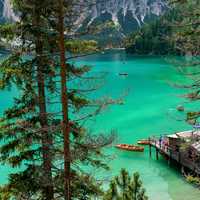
126, 15
6, 12
154, 38
118, 10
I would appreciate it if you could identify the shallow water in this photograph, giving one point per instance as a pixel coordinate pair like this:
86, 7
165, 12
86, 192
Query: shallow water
149, 109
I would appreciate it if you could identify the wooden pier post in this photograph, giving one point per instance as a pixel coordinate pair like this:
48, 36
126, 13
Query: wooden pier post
149, 149
169, 158
179, 157
157, 152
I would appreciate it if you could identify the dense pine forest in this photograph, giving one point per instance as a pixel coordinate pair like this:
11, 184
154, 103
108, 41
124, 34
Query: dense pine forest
44, 133
154, 38
163, 35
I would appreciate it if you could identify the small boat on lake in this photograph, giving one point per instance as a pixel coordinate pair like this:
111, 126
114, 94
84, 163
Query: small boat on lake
123, 74
129, 147
143, 142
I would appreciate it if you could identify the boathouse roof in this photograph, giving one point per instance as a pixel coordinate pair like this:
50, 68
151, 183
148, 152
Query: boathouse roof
196, 146
185, 134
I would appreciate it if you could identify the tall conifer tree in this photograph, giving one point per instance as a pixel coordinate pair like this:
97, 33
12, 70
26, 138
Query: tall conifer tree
29, 129
64, 100
186, 37
31, 33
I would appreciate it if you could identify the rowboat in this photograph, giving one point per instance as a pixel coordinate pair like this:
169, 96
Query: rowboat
123, 74
143, 142
129, 147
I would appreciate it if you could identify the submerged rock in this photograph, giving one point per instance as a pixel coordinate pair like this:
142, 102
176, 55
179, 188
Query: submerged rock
180, 108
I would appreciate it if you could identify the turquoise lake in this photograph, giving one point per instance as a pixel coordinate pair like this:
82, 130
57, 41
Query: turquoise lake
149, 108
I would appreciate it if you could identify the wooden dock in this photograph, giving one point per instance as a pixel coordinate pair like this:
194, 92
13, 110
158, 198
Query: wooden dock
180, 157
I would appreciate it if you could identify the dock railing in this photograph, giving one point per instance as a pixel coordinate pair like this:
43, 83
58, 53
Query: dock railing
161, 144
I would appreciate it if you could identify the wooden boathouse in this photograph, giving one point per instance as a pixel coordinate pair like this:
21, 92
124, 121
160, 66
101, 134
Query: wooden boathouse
182, 147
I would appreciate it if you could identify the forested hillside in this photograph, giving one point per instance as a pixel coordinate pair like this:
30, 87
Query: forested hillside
155, 37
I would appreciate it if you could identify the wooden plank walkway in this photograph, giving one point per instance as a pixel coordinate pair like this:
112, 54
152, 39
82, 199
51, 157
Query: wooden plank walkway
179, 157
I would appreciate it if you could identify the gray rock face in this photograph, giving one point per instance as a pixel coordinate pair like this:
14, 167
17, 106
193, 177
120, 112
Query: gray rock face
6, 11
139, 9
117, 9
1, 8
128, 15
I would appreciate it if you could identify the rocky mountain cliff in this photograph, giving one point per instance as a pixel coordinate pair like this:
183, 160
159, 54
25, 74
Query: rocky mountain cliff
119, 10
127, 15
6, 12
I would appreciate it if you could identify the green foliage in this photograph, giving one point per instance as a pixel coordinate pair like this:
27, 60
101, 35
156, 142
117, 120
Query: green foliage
81, 46
192, 117
187, 31
186, 38
107, 25
124, 187
23, 185
193, 180
85, 187
154, 38
106, 32
28, 136
7, 31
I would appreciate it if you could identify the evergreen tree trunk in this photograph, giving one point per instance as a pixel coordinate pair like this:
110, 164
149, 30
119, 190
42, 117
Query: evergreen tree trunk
64, 99
46, 137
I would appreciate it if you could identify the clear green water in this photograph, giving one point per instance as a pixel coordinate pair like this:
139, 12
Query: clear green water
148, 109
